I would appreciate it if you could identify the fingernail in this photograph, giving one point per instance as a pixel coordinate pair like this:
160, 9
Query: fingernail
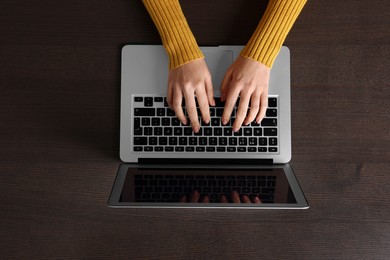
196, 129
224, 122
235, 129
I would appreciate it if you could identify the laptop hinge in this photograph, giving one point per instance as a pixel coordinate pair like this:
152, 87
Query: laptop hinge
206, 161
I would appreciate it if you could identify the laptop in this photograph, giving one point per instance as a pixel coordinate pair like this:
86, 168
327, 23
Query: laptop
164, 161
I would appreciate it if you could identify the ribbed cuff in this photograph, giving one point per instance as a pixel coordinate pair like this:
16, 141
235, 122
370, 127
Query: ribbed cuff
268, 38
176, 35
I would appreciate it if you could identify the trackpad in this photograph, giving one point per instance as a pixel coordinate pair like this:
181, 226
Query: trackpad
218, 62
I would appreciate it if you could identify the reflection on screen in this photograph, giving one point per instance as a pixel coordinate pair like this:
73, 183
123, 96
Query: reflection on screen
168, 185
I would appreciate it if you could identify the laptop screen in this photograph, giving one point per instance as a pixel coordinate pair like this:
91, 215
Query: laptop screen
153, 185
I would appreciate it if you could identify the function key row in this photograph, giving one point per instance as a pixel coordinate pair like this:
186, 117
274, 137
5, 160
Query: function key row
204, 149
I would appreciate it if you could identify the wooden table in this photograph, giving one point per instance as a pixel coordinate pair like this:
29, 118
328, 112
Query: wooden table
59, 135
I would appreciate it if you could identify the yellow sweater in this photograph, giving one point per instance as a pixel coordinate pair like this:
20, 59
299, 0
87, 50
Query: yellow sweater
263, 46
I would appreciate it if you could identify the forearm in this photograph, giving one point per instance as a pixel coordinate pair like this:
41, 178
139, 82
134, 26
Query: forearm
176, 35
266, 41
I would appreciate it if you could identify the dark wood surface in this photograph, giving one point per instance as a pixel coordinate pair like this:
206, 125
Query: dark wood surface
59, 135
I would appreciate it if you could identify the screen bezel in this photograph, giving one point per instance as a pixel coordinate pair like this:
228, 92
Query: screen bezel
289, 173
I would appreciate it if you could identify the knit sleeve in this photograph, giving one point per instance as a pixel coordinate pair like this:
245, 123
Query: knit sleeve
176, 35
266, 41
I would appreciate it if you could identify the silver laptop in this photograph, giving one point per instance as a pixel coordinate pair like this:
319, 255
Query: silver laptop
164, 160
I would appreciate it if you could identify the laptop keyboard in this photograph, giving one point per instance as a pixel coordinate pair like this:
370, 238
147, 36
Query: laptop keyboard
169, 188
157, 129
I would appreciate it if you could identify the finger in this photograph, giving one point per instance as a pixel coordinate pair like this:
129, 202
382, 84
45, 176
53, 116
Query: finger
235, 197
195, 196
225, 84
245, 199
230, 104
183, 199
210, 91
241, 111
254, 108
191, 110
205, 199
263, 107
256, 200
223, 199
201, 96
177, 106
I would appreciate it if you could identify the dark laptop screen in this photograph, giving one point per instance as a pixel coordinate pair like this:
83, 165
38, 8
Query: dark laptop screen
168, 185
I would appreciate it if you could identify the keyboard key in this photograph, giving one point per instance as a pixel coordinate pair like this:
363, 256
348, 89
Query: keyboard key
269, 122
168, 130
179, 149
172, 140
242, 141
221, 149
257, 131
252, 149
140, 140
137, 148
148, 102
148, 131
247, 131
233, 141
262, 141
193, 141
145, 121
241, 149
271, 112
138, 99
200, 149
273, 141
210, 149
272, 102
183, 141
262, 149
218, 131
213, 141
168, 148
272, 149
177, 131
190, 149
163, 140
148, 148
158, 149
155, 121
187, 131
222, 141
153, 140
270, 131
208, 131
158, 99
252, 141
231, 149
158, 131
202, 140
144, 111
